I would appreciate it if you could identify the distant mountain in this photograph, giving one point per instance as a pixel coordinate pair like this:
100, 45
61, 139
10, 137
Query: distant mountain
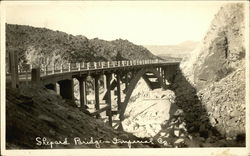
179, 50
41, 45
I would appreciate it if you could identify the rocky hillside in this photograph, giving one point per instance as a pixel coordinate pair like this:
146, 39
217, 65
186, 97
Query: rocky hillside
211, 83
35, 114
41, 45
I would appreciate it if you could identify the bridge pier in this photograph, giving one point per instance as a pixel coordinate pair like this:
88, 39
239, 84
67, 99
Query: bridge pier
160, 71
13, 69
170, 73
97, 98
104, 82
66, 89
118, 79
163, 75
82, 89
126, 80
35, 75
108, 100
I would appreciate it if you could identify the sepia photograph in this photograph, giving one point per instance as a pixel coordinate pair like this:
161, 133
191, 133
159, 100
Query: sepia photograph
125, 77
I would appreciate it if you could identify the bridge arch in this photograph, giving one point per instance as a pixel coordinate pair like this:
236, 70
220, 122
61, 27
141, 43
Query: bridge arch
133, 83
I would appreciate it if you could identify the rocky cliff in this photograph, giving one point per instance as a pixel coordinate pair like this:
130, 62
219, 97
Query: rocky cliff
215, 74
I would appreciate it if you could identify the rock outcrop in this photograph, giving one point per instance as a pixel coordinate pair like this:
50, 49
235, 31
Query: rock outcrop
215, 75
223, 46
35, 113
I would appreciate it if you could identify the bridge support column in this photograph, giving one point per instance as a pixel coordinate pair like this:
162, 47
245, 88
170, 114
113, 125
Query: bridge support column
133, 73
66, 89
170, 73
82, 89
163, 75
51, 86
97, 98
13, 68
109, 110
104, 82
126, 80
35, 75
118, 79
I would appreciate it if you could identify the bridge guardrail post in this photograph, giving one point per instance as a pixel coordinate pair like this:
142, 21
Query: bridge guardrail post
79, 66
95, 65
61, 68
69, 66
53, 69
45, 69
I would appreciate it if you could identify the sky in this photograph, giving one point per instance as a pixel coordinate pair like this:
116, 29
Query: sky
141, 22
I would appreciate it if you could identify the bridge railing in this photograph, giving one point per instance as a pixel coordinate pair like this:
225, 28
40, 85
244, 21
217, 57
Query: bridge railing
81, 66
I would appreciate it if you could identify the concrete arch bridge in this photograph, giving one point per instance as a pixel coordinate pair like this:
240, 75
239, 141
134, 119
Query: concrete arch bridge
119, 77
